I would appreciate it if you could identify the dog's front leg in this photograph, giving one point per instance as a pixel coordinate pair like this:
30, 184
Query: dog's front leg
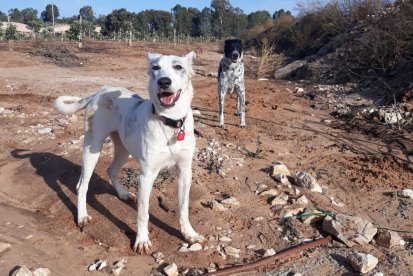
142, 242
241, 104
221, 97
184, 186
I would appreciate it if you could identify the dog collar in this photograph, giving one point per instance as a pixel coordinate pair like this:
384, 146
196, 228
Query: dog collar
178, 124
170, 122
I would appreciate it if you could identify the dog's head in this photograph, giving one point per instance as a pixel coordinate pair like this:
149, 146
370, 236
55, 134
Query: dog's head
233, 50
170, 80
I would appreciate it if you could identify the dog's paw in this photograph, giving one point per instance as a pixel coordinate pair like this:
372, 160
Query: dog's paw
195, 238
129, 197
221, 126
83, 221
241, 126
142, 246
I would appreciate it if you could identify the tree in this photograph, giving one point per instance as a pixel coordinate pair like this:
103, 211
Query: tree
87, 13
3, 16
47, 14
35, 26
221, 17
205, 22
28, 15
11, 32
15, 15
76, 28
258, 18
238, 22
1, 30
278, 13
114, 21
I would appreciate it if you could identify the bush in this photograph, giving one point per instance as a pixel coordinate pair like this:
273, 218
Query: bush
11, 32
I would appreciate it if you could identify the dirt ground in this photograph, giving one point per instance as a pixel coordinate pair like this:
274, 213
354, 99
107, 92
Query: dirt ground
360, 167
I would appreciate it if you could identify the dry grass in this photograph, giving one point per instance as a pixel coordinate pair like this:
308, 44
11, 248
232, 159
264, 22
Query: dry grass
269, 60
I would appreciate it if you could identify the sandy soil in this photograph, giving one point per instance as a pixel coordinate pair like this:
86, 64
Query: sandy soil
356, 166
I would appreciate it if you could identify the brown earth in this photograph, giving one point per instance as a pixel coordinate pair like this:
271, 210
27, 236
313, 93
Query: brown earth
359, 165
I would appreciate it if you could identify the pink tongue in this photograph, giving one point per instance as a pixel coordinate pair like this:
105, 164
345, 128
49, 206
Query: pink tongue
167, 100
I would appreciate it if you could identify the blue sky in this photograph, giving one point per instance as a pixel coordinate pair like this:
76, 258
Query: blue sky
68, 8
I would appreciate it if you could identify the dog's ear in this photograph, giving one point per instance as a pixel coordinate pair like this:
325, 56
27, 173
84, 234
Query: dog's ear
152, 56
190, 57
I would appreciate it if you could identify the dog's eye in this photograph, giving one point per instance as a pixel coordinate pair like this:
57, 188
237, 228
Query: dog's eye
178, 67
156, 68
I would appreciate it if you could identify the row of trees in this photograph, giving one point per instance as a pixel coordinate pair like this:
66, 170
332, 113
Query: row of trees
219, 20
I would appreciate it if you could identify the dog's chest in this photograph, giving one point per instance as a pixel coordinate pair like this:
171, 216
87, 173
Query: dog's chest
232, 73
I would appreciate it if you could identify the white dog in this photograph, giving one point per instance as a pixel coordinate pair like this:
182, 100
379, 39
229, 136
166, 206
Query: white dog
158, 133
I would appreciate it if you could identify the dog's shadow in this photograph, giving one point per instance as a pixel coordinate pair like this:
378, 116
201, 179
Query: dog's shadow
58, 173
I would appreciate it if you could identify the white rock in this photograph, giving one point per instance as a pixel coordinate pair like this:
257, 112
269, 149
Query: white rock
289, 212
362, 262
311, 218
41, 271
304, 179
45, 130
232, 251
1, 109
392, 117
407, 193
195, 247
22, 271
171, 270
388, 239
118, 266
279, 167
158, 257
282, 178
280, 200
302, 200
351, 230
225, 239
231, 201
270, 192
299, 90
4, 246
269, 252
218, 206
183, 249
378, 274
196, 112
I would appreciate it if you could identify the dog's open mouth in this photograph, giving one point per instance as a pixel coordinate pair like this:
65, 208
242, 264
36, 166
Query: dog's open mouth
234, 60
169, 98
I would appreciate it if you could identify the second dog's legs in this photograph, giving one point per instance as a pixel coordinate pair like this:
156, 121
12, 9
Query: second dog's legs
222, 90
241, 105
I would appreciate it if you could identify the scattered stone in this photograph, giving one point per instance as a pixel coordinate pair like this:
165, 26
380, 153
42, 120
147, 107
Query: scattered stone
225, 239
279, 168
392, 117
309, 216
230, 201
251, 247
4, 246
282, 199
282, 178
388, 238
212, 267
351, 230
158, 257
171, 270
270, 192
72, 118
258, 219
378, 274
289, 69
305, 180
218, 206
232, 251
269, 252
118, 266
296, 191
292, 212
41, 271
299, 90
22, 271
195, 247
45, 130
183, 248
362, 262
302, 200
406, 193
2, 109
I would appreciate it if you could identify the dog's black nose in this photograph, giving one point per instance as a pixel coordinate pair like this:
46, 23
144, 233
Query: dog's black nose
235, 55
164, 82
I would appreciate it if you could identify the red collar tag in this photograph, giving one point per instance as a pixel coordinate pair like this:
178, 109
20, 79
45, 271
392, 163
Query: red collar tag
181, 135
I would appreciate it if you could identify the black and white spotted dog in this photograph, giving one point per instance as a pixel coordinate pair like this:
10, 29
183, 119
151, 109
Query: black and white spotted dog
231, 77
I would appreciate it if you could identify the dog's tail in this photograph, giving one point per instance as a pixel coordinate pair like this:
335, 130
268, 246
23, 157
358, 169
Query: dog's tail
68, 105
